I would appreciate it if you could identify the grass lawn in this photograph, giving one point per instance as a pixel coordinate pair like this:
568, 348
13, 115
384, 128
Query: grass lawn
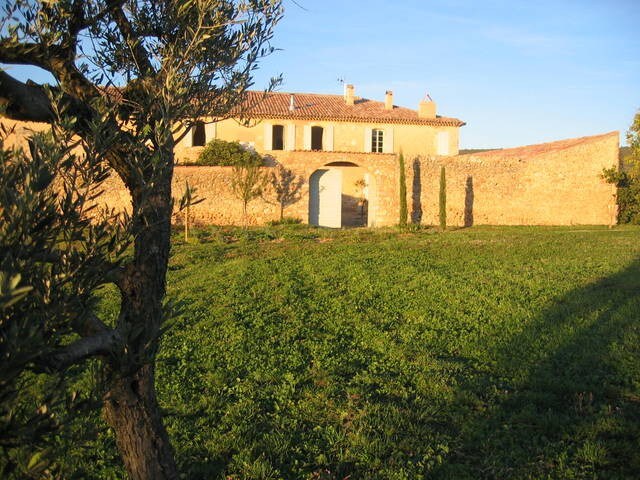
509, 352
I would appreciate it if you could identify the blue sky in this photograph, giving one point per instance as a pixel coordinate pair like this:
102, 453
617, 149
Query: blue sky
518, 72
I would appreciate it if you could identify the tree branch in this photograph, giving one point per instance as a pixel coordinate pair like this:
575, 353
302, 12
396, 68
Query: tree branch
30, 103
105, 343
91, 325
140, 55
15, 53
22, 101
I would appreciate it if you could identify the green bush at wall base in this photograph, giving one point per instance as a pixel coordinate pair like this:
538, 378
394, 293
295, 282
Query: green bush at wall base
220, 153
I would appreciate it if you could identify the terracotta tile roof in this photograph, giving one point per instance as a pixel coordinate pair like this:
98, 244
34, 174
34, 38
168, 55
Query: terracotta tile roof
314, 106
529, 151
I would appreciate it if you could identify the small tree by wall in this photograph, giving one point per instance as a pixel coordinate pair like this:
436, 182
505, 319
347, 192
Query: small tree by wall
403, 193
188, 200
443, 199
247, 184
286, 187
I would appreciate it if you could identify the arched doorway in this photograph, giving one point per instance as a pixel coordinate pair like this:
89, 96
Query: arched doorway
341, 195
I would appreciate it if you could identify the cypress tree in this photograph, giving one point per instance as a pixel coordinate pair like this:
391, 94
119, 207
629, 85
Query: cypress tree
443, 199
403, 193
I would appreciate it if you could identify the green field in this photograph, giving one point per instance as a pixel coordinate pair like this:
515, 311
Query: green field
478, 353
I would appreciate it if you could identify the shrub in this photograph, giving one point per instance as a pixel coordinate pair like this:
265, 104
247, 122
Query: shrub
627, 178
285, 221
228, 154
628, 193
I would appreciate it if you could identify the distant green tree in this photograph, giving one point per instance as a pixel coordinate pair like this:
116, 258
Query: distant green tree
228, 154
627, 177
404, 211
443, 199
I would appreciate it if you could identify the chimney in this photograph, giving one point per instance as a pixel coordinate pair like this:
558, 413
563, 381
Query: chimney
292, 103
388, 100
427, 109
350, 95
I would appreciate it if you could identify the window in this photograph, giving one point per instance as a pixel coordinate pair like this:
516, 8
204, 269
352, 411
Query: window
377, 137
198, 136
277, 137
316, 138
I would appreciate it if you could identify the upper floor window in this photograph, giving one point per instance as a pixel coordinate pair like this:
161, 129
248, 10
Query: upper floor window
377, 138
277, 137
198, 135
316, 138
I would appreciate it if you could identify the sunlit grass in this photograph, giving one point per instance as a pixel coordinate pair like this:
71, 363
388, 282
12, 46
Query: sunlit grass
488, 352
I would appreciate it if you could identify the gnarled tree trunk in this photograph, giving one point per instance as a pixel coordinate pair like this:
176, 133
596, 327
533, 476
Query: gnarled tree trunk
131, 407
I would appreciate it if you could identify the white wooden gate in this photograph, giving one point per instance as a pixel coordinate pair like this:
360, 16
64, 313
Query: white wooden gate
325, 198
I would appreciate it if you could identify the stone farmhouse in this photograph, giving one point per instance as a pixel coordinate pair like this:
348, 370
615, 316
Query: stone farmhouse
344, 150
343, 147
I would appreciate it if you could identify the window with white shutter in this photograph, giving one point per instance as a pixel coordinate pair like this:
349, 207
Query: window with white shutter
387, 146
367, 140
291, 137
328, 138
268, 132
307, 137
210, 131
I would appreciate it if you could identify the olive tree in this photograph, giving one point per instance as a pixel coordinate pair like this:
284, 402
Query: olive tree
143, 71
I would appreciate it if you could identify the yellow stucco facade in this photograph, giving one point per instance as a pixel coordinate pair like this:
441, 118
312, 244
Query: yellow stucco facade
331, 123
338, 136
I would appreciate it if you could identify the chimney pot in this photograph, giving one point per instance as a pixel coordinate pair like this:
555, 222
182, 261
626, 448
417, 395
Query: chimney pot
350, 95
388, 100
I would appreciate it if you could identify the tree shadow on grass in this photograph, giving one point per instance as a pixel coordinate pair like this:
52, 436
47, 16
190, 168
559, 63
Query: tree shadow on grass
562, 400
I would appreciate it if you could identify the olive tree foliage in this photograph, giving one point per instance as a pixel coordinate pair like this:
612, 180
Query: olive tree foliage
143, 71
57, 247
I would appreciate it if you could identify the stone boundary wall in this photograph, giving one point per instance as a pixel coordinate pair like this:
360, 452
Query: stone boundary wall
221, 207
557, 183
